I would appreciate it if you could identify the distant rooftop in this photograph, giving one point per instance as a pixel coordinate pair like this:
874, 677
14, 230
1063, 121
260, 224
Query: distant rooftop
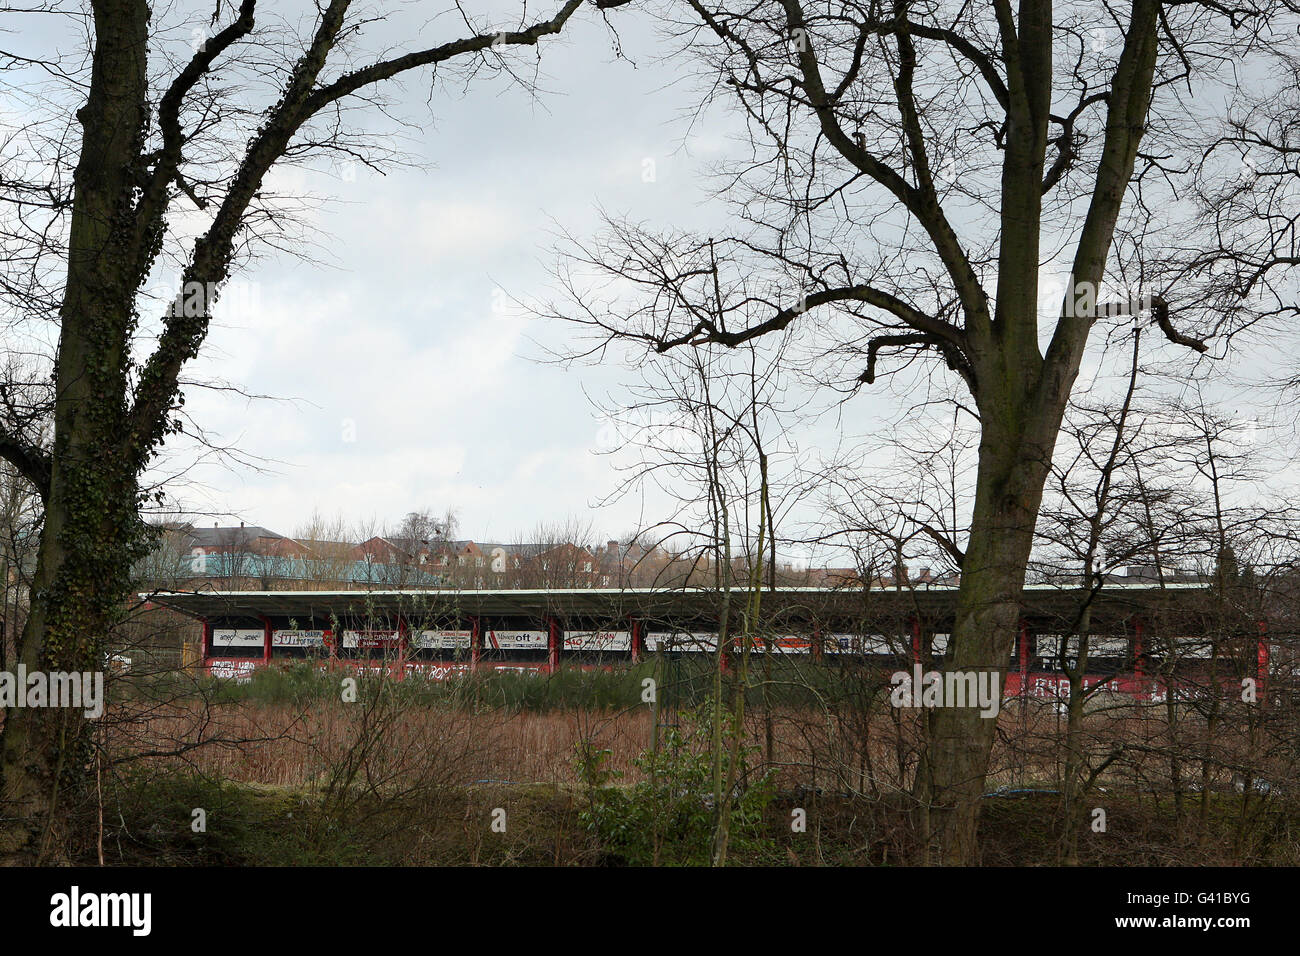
219, 537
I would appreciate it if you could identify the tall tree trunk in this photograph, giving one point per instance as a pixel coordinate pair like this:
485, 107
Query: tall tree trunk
110, 415
92, 529
1012, 472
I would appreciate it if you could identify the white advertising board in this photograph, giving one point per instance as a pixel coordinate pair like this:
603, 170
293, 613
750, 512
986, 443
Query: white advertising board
369, 638
681, 641
1099, 645
859, 643
781, 644
1195, 647
442, 640
516, 640
238, 637
597, 640
288, 638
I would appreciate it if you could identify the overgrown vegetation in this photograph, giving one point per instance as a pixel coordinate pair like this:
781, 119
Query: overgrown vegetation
688, 681
668, 817
148, 820
479, 772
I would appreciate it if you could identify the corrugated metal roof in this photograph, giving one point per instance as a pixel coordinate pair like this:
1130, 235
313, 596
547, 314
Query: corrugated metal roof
1043, 604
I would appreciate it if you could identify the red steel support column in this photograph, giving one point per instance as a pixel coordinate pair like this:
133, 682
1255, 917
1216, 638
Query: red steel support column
817, 648
552, 645
1139, 650
205, 649
916, 639
636, 641
475, 643
401, 647
266, 640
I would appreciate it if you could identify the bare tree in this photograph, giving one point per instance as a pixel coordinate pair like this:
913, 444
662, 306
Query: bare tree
708, 429
20, 528
332, 551
559, 553
168, 135
914, 166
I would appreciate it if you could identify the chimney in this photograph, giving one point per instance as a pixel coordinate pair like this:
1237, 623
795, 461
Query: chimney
611, 546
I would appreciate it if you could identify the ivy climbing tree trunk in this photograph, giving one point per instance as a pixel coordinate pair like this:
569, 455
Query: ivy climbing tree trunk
110, 414
92, 530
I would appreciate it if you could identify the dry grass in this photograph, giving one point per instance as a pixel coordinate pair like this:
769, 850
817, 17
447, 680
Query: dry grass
279, 745
284, 745
416, 783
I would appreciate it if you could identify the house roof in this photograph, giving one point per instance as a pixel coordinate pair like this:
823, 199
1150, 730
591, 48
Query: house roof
225, 537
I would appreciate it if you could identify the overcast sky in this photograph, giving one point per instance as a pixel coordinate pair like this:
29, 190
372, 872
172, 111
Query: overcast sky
396, 385
409, 390
406, 388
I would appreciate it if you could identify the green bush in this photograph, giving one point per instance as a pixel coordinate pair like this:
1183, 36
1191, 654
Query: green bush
670, 817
